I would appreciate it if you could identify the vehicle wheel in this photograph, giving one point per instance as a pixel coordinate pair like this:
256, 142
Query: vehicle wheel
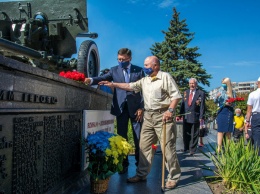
88, 59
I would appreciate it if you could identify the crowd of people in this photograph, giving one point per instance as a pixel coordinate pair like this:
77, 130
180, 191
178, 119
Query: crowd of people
148, 97
236, 126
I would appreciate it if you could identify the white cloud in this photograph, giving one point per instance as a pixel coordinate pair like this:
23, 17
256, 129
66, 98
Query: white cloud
161, 4
246, 63
168, 3
133, 1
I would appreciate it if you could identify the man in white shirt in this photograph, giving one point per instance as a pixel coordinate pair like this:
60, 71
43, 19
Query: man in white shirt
253, 109
161, 96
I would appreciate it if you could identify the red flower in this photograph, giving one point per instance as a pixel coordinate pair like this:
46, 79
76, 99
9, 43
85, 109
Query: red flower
231, 100
154, 146
74, 75
62, 73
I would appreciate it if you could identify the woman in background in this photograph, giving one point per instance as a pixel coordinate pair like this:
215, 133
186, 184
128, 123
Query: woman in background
225, 114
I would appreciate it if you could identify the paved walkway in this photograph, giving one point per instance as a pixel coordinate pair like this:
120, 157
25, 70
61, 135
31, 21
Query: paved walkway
191, 182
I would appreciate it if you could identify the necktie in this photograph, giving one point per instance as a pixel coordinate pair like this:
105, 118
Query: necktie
190, 98
127, 80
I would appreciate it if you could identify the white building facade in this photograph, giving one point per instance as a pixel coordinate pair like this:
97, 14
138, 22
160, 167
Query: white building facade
238, 87
244, 87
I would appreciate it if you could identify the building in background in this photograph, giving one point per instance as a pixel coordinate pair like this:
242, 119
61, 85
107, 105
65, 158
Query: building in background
213, 93
244, 87
238, 87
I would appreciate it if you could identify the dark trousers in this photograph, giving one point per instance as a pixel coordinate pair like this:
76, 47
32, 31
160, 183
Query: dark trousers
122, 129
190, 136
255, 127
237, 134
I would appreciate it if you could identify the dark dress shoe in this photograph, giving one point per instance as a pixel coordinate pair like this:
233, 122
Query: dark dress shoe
135, 179
125, 169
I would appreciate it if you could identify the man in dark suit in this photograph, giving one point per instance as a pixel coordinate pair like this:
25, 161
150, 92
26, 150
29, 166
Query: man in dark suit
126, 105
193, 108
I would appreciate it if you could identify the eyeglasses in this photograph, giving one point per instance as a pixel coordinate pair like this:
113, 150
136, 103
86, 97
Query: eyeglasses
123, 60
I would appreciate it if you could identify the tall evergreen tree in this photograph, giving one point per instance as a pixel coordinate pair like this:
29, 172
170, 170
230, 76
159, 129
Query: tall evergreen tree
175, 56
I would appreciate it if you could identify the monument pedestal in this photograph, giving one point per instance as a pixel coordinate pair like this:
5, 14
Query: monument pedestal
41, 127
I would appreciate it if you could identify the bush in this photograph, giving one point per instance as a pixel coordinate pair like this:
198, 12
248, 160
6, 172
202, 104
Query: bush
238, 167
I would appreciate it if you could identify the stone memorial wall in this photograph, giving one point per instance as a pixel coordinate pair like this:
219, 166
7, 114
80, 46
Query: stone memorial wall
41, 127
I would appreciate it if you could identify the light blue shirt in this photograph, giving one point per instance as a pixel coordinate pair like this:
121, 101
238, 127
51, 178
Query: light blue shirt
221, 100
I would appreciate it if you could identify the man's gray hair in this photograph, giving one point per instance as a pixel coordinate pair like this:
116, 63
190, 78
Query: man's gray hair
194, 80
237, 109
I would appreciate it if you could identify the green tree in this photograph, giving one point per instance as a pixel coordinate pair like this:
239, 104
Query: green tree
176, 57
211, 109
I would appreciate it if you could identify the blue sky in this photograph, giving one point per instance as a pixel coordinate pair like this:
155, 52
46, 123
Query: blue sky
226, 31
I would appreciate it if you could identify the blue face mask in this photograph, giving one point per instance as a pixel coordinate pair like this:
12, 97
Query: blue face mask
237, 114
148, 71
224, 86
123, 64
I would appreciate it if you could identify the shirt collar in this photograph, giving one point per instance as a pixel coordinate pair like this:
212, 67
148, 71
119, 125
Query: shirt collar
158, 76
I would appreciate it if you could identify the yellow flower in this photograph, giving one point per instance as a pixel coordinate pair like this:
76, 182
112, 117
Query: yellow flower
108, 152
109, 159
118, 147
115, 161
115, 154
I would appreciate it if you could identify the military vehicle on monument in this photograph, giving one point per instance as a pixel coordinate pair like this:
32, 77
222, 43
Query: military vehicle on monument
43, 33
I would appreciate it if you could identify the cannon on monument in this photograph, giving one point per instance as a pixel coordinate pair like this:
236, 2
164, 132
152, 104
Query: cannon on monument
43, 33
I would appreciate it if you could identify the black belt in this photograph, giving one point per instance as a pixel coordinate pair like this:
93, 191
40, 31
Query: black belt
160, 110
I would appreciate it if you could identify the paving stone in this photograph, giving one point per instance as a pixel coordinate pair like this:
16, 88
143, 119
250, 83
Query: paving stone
192, 180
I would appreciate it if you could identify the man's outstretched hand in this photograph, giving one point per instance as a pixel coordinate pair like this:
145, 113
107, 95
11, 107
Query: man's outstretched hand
106, 83
87, 81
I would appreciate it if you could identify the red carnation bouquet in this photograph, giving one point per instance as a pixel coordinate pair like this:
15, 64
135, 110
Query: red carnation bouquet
74, 75
231, 100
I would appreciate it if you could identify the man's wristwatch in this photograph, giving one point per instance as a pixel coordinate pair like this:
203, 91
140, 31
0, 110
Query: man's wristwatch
171, 110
